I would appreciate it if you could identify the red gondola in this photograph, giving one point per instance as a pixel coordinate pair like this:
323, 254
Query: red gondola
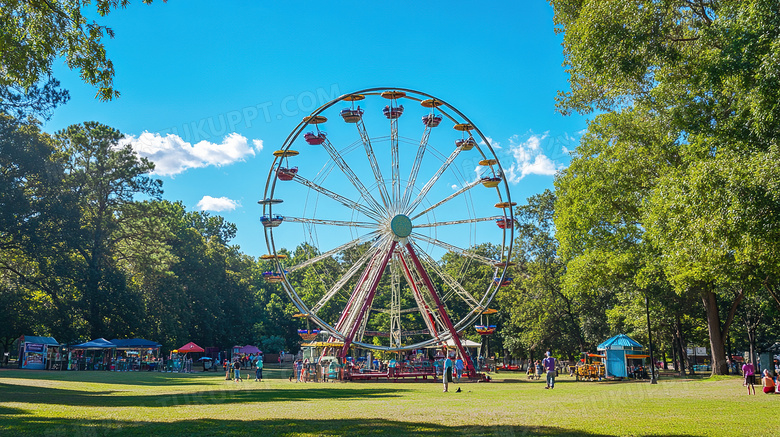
504, 283
315, 140
431, 120
286, 174
505, 222
393, 112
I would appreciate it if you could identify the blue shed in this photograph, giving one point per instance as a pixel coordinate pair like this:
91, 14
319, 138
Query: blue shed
617, 351
34, 351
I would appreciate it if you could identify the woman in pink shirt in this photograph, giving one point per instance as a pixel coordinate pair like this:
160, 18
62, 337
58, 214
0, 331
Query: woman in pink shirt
747, 370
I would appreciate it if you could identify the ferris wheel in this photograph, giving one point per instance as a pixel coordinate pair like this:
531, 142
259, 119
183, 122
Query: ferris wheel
381, 186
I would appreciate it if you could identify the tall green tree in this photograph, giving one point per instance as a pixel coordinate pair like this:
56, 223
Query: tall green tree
704, 73
105, 178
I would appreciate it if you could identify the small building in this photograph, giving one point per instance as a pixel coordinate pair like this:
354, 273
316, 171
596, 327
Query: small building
619, 351
35, 352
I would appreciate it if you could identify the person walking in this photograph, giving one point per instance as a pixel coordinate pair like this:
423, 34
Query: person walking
259, 368
748, 371
447, 373
459, 367
549, 366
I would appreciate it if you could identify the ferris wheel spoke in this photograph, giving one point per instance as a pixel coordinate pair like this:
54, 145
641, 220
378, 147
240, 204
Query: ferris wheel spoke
451, 248
336, 157
424, 192
380, 180
395, 303
448, 198
396, 178
359, 240
458, 222
338, 198
454, 285
416, 167
345, 223
339, 285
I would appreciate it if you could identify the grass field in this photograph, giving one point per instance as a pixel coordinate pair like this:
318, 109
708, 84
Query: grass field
167, 404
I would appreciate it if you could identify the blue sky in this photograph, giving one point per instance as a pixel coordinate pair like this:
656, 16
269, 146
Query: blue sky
211, 89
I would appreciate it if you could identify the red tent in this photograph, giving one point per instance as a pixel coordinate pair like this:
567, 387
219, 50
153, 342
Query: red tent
190, 347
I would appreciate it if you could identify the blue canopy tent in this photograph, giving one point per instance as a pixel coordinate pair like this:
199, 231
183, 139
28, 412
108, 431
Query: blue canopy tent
106, 349
135, 344
34, 351
617, 351
136, 354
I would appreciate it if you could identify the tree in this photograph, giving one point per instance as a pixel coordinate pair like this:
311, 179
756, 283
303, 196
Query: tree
703, 72
35, 33
105, 178
541, 315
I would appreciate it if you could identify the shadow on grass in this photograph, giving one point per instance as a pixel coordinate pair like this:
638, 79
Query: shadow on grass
122, 378
219, 395
28, 425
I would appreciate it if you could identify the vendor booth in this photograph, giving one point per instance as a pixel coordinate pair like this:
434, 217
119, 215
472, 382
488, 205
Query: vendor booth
136, 354
37, 352
622, 356
96, 354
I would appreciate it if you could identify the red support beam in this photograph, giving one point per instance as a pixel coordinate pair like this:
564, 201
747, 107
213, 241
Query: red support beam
442, 312
367, 302
417, 293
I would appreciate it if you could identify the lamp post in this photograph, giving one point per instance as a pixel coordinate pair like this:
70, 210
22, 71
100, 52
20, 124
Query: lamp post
650, 340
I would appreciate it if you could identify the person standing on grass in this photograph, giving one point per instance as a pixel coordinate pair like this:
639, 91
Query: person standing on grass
747, 371
259, 370
298, 369
459, 367
549, 366
237, 370
447, 374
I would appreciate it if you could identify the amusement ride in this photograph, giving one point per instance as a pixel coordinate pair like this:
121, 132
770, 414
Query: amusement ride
377, 211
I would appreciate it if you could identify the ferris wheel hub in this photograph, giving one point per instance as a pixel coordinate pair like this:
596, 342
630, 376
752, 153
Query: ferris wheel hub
401, 226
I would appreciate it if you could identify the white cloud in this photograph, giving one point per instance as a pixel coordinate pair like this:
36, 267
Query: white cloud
208, 203
493, 143
529, 158
172, 155
454, 187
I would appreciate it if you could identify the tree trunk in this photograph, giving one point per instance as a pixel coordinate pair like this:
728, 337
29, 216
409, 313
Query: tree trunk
717, 347
751, 332
681, 346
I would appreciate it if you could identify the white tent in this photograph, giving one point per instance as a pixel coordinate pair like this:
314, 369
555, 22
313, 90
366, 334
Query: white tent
468, 344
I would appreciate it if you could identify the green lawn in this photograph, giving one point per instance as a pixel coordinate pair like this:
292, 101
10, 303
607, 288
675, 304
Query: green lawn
141, 403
